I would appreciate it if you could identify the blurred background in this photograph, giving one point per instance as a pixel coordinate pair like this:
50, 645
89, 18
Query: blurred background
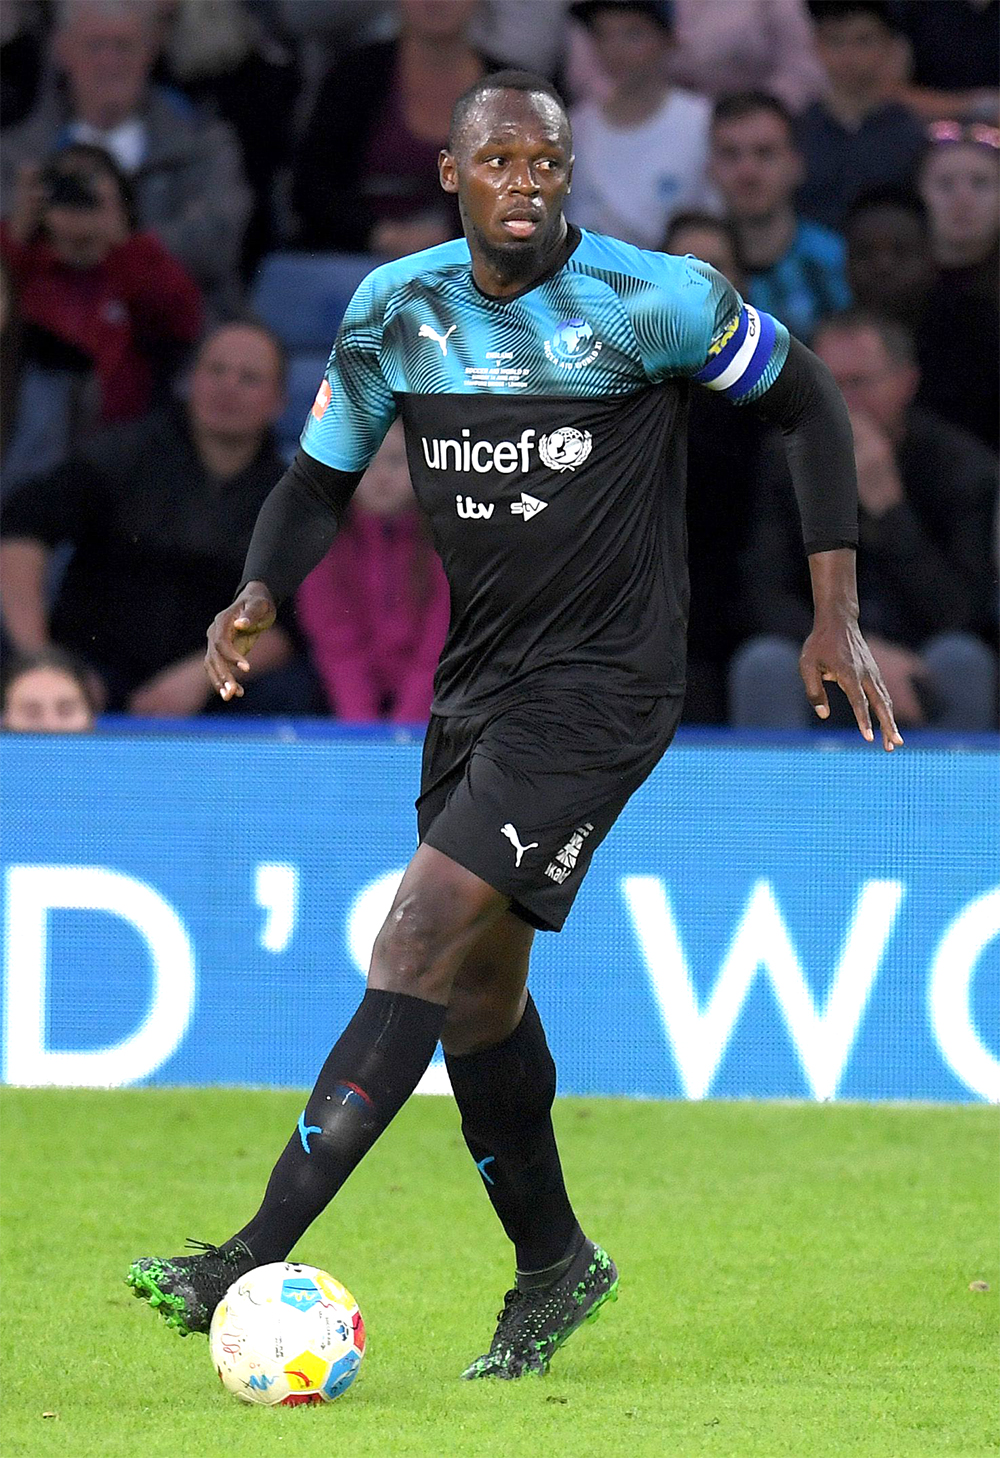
191, 190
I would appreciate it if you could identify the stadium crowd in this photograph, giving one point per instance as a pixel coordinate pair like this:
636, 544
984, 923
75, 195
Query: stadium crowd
837, 160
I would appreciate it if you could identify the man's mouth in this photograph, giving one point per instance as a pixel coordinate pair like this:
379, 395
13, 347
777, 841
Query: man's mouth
520, 224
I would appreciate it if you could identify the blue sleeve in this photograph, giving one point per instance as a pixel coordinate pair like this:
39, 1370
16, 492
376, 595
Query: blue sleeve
354, 406
698, 326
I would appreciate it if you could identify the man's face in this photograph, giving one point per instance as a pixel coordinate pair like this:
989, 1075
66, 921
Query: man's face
855, 51
754, 164
511, 169
107, 60
630, 46
870, 380
889, 263
235, 387
961, 187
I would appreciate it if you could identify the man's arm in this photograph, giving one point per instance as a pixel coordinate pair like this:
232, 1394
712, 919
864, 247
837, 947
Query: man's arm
23, 563
806, 405
294, 530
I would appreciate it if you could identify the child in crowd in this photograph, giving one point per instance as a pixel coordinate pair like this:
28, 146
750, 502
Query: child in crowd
375, 610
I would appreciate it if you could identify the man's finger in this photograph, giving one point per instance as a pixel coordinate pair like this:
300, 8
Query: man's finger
878, 697
815, 692
851, 685
230, 653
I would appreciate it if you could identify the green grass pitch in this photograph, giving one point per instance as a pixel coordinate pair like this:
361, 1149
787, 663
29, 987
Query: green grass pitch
795, 1281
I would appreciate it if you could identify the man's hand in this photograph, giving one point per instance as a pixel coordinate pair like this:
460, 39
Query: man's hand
880, 486
176, 693
901, 671
233, 633
835, 652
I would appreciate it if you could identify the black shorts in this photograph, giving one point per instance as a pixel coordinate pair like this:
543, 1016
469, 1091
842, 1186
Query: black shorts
523, 797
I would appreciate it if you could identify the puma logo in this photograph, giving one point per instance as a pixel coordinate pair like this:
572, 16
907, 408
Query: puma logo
519, 849
426, 332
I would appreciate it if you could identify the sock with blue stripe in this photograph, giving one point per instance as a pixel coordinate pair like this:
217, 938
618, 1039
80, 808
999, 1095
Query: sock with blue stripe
370, 1073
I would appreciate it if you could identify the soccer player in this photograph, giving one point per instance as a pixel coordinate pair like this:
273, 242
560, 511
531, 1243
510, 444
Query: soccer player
542, 374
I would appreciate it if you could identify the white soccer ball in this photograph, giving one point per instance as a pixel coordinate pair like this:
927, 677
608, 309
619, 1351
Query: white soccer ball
287, 1334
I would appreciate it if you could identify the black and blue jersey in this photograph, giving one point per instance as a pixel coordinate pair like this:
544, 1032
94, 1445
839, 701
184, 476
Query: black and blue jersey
546, 442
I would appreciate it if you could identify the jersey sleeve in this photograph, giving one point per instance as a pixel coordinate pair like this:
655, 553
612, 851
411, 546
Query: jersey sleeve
702, 329
354, 406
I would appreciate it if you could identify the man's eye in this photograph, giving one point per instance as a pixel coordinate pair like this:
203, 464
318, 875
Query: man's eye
495, 161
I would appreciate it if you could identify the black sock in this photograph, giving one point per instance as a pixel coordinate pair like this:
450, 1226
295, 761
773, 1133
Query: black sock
370, 1073
505, 1096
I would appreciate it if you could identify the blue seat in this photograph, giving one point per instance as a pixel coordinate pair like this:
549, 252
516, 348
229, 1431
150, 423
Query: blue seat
305, 374
302, 296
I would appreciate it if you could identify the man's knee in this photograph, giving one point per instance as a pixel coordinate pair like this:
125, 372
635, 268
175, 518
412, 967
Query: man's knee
480, 1017
438, 913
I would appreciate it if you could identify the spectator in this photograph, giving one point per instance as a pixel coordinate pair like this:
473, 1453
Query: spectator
47, 394
375, 610
227, 60
925, 579
795, 269
859, 134
47, 693
641, 154
954, 58
22, 52
951, 313
386, 109
746, 45
960, 183
731, 455
160, 514
86, 277
185, 171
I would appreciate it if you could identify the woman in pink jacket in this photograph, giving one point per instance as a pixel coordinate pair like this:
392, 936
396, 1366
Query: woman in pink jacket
375, 610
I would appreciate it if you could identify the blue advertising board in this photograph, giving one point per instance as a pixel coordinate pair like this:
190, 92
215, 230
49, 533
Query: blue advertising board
762, 921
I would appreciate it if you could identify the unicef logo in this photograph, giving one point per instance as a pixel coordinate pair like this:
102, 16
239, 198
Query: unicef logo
565, 449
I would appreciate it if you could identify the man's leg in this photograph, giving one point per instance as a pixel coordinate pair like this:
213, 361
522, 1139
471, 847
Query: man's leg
504, 1082
439, 912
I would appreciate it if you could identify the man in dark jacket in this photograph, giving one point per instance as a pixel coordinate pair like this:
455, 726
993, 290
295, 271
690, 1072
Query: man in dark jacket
159, 513
926, 581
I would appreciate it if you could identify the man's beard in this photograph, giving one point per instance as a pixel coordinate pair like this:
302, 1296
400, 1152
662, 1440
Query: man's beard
513, 261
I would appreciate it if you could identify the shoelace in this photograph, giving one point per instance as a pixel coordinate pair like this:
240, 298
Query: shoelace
512, 1301
231, 1257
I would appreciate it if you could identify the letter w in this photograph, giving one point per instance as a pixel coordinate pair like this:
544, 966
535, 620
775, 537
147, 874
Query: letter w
822, 1038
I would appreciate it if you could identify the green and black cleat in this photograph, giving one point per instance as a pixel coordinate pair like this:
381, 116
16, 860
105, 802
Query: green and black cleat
187, 1289
534, 1324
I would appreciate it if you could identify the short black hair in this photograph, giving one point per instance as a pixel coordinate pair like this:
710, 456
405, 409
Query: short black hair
734, 105
896, 338
511, 80
888, 195
879, 10
698, 218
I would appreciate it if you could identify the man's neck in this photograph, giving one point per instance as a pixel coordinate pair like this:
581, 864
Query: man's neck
224, 456
764, 240
499, 283
851, 109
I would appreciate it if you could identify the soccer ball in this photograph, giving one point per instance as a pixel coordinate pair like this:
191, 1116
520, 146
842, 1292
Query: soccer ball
287, 1334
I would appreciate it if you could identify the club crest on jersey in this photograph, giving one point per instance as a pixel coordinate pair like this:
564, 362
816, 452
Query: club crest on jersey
573, 345
565, 449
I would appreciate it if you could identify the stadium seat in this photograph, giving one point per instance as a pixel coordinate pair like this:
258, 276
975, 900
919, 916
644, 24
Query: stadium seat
305, 371
302, 296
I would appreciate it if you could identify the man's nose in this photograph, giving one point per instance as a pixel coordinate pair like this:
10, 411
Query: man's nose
523, 180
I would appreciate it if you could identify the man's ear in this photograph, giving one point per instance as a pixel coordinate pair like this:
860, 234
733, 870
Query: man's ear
569, 176
447, 170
